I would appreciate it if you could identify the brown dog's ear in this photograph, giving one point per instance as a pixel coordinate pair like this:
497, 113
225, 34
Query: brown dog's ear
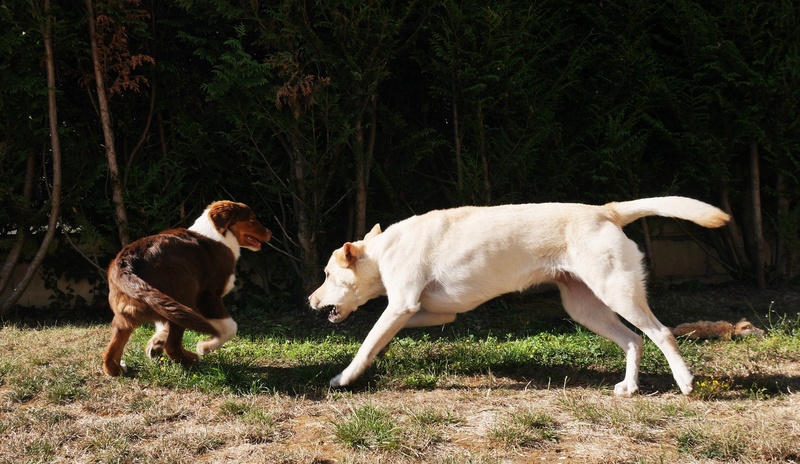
224, 213
348, 254
376, 229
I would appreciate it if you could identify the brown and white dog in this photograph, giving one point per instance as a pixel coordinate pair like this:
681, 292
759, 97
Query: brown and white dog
434, 266
177, 279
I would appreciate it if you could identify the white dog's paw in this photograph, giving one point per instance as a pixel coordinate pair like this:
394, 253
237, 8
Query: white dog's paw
685, 384
123, 367
338, 381
625, 388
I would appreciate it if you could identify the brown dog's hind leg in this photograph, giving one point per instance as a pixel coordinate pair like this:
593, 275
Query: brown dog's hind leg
112, 356
174, 346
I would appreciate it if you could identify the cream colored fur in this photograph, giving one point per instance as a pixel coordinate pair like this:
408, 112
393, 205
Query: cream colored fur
446, 262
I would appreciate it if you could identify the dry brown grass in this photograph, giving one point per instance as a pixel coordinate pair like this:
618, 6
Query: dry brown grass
55, 406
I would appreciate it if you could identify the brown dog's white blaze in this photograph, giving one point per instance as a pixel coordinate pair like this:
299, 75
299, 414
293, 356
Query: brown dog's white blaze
239, 219
177, 279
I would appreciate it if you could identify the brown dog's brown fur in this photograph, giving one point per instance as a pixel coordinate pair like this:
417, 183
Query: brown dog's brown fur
178, 278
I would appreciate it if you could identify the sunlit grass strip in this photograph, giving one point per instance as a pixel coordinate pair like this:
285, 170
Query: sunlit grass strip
424, 359
252, 365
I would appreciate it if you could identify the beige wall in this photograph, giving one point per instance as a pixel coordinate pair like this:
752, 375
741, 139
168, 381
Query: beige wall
677, 257
37, 296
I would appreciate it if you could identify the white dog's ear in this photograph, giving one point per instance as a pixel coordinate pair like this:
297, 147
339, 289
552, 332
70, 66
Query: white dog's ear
376, 229
348, 254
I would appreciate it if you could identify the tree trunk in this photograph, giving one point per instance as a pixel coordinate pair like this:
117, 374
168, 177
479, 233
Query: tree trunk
484, 157
457, 149
303, 207
364, 156
55, 195
19, 241
758, 231
648, 246
736, 247
361, 181
785, 254
108, 133
145, 132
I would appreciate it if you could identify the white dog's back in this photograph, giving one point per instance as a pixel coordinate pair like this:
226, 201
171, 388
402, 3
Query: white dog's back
472, 254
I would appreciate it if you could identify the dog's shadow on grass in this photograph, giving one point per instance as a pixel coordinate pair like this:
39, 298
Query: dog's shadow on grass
234, 376
310, 380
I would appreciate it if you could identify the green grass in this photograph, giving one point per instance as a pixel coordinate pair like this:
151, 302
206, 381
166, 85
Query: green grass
253, 424
527, 428
248, 365
269, 364
367, 428
485, 389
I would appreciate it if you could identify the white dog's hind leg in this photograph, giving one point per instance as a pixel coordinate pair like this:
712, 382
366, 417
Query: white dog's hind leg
618, 281
638, 313
227, 329
586, 309
387, 326
666, 342
625, 295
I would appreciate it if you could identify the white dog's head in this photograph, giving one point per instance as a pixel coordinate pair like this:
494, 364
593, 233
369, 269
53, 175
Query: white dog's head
351, 279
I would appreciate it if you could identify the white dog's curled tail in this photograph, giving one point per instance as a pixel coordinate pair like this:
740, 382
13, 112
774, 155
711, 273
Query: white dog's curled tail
677, 207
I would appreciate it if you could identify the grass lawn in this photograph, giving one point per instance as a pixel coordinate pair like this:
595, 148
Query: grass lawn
511, 382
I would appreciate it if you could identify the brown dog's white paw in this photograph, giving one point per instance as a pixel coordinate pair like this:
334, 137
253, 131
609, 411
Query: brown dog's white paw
204, 347
154, 348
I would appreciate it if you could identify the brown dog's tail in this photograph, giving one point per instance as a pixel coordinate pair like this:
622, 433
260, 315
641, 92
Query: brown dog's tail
124, 282
677, 207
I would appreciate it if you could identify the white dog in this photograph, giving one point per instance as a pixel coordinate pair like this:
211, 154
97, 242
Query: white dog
439, 264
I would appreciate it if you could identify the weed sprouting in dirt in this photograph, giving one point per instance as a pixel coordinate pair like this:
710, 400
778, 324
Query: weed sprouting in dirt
527, 429
368, 428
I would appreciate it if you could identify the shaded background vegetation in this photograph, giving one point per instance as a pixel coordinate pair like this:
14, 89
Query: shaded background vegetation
329, 116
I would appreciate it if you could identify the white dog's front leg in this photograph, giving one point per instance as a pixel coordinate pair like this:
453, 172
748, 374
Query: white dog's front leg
390, 322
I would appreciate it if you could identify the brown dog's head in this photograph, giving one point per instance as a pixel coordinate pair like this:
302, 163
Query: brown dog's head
241, 221
351, 279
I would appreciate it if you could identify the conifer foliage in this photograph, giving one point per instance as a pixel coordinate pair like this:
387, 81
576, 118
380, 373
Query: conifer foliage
329, 116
